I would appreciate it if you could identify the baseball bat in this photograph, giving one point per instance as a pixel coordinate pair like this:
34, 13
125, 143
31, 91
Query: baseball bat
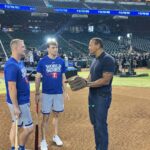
37, 129
16, 134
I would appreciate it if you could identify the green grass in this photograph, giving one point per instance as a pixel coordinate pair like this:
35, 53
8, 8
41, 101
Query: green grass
117, 81
2, 86
3, 89
134, 82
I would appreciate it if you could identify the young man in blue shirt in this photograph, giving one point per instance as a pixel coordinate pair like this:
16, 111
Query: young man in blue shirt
51, 69
18, 93
100, 91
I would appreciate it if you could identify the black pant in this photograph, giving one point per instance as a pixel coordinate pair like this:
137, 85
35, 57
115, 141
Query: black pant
98, 110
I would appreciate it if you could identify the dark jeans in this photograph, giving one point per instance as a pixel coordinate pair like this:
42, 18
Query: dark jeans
98, 110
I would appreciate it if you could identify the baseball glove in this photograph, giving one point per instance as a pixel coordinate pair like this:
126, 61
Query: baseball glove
76, 83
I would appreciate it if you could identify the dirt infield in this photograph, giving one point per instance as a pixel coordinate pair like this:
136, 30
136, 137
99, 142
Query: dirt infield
129, 122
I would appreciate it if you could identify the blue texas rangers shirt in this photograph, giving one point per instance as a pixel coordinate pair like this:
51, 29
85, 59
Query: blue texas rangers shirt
15, 71
104, 63
51, 70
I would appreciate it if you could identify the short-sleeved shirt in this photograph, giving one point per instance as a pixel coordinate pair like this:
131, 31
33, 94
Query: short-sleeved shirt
104, 63
16, 72
52, 74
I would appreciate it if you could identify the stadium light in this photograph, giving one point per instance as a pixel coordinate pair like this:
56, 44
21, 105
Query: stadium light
129, 35
119, 38
50, 39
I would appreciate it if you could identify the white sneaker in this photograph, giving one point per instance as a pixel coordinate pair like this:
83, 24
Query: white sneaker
44, 145
57, 140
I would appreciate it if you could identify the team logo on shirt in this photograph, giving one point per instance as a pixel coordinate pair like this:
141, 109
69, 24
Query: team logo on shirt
55, 75
53, 70
24, 74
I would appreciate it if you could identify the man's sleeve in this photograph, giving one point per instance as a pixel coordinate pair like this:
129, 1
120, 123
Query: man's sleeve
109, 65
39, 67
64, 68
11, 73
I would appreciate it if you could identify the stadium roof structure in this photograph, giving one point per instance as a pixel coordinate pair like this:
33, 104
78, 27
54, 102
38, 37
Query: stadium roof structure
107, 7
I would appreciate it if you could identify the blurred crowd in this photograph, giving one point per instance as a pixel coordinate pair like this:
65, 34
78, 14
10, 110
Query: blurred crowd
135, 60
123, 60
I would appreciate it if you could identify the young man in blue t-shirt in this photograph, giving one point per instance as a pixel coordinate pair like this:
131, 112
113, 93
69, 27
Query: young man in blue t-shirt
18, 93
51, 69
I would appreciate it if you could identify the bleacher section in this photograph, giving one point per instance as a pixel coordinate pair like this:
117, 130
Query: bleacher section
2, 1
76, 4
75, 42
38, 3
102, 6
110, 42
136, 7
117, 6
97, 5
141, 44
66, 4
5, 40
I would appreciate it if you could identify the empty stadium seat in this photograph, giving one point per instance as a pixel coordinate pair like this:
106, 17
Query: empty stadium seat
2, 1
38, 3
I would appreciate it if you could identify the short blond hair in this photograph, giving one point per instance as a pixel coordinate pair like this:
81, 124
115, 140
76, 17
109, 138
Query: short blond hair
15, 42
54, 43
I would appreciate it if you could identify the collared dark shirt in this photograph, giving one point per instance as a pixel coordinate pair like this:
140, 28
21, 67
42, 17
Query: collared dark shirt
104, 63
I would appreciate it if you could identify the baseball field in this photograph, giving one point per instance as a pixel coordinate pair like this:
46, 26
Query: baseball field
129, 117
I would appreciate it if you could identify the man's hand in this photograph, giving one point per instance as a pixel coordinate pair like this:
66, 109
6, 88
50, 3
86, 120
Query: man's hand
17, 112
37, 98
